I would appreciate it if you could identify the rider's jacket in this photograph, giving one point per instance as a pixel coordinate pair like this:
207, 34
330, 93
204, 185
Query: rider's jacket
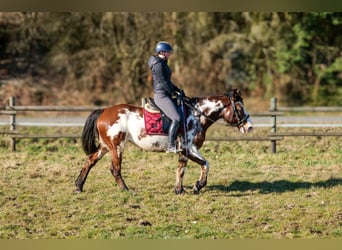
161, 75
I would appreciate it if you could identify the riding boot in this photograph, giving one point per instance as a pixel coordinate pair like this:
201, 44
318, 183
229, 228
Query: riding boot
173, 132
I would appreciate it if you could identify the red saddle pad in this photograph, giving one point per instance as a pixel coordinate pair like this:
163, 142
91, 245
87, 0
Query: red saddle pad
153, 123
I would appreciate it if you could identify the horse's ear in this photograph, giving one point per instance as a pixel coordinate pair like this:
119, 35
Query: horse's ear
237, 95
229, 92
233, 92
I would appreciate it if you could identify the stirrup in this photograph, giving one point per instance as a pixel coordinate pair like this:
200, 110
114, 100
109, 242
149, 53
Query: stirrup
172, 149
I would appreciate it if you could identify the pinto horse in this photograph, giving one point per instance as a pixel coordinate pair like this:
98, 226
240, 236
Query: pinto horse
109, 129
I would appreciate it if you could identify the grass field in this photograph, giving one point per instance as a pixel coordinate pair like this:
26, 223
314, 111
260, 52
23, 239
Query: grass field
251, 193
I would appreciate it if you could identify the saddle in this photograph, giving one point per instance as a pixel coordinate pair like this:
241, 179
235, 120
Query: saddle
150, 105
156, 122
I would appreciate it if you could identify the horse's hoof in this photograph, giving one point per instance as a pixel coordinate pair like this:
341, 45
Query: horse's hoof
198, 187
78, 191
180, 192
196, 190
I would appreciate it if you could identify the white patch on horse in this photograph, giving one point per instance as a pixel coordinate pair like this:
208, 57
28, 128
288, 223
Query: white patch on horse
118, 126
135, 125
100, 154
208, 107
103, 144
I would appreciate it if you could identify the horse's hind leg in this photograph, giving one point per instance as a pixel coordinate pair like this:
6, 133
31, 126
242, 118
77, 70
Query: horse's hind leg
115, 169
91, 161
180, 173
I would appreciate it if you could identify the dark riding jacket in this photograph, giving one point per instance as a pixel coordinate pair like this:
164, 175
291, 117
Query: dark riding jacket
161, 75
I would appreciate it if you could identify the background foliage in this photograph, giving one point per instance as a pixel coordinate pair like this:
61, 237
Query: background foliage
101, 58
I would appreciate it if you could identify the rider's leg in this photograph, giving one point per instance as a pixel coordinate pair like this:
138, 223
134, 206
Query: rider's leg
172, 136
170, 110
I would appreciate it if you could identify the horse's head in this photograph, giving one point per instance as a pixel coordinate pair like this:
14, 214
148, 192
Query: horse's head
235, 113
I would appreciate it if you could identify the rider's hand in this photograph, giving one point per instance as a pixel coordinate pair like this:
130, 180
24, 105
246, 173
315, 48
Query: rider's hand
177, 95
180, 94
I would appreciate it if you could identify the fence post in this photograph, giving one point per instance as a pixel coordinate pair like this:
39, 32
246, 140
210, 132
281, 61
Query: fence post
12, 122
274, 108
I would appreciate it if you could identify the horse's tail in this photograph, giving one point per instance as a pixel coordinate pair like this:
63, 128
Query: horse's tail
90, 133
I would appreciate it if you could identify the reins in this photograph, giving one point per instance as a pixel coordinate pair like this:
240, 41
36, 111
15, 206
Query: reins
197, 110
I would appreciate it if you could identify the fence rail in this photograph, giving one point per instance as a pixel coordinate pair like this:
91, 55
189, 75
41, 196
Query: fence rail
51, 108
274, 112
310, 109
283, 134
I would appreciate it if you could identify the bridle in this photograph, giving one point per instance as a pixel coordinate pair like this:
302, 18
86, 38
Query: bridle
236, 114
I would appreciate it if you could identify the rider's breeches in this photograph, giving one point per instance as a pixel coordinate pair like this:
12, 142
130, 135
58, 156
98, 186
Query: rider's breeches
167, 106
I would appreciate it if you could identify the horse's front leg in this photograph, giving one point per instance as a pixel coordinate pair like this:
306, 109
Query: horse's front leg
197, 157
202, 181
180, 174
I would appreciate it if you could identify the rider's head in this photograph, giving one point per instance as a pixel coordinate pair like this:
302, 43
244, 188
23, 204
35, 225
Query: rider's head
163, 49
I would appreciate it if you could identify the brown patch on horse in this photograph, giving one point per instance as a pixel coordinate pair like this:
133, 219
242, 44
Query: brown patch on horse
156, 144
119, 137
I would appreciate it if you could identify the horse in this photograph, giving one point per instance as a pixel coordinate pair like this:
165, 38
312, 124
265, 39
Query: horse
109, 129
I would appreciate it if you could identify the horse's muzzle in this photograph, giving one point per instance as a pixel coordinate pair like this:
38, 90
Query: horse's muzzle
247, 127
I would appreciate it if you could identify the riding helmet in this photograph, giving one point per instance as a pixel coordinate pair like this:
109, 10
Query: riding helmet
163, 46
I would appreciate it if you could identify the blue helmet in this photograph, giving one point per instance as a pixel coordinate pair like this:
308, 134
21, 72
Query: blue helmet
163, 46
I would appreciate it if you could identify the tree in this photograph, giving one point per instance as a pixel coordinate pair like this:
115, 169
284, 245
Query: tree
101, 57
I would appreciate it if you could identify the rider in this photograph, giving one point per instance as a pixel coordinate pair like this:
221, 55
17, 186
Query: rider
165, 92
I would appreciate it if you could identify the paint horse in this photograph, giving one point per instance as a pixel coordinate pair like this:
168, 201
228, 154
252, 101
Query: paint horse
109, 129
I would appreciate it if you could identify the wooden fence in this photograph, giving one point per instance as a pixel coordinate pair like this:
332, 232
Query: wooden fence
274, 112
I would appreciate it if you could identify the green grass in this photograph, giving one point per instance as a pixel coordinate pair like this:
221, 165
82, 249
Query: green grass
251, 193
